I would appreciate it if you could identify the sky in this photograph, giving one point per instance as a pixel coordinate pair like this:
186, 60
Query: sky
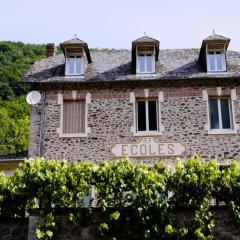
115, 24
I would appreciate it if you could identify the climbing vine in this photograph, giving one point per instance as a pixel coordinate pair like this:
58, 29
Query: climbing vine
132, 201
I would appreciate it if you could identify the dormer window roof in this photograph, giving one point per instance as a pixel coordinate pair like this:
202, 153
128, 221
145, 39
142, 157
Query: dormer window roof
77, 56
213, 53
145, 52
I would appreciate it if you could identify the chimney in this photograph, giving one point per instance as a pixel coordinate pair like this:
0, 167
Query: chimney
50, 50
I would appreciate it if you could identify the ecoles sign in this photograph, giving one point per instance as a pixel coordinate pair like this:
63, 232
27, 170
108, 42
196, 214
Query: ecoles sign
148, 147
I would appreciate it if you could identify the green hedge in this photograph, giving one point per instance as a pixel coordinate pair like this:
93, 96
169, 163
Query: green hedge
133, 200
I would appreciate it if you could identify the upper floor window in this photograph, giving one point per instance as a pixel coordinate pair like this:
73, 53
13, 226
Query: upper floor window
220, 114
216, 61
145, 63
75, 65
147, 115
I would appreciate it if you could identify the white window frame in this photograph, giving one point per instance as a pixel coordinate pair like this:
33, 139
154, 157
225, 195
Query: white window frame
215, 60
147, 114
145, 53
134, 127
60, 129
234, 126
72, 55
220, 114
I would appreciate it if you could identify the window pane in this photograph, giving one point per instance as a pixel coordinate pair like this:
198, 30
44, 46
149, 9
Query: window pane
141, 61
78, 62
149, 63
71, 65
152, 114
219, 58
225, 114
212, 61
141, 116
213, 105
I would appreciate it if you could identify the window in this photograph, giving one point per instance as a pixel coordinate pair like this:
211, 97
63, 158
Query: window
220, 114
147, 115
73, 117
75, 65
216, 61
145, 63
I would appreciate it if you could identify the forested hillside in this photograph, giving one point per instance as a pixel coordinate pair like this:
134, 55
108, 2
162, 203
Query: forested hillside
15, 58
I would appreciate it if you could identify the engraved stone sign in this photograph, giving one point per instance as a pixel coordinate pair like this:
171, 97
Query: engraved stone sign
148, 147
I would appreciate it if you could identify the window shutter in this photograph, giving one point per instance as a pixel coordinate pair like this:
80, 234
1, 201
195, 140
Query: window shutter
73, 116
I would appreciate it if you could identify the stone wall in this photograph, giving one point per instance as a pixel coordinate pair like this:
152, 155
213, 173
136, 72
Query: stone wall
224, 226
110, 117
13, 229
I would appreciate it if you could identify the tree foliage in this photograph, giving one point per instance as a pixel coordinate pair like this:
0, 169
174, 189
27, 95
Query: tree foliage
132, 200
14, 125
15, 58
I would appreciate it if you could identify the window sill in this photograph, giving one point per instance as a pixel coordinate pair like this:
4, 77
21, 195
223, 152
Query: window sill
144, 134
222, 132
72, 135
74, 76
217, 72
146, 74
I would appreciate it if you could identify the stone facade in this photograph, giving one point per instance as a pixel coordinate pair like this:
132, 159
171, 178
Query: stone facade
13, 229
184, 116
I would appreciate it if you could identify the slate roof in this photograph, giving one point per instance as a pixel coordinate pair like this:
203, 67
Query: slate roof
115, 65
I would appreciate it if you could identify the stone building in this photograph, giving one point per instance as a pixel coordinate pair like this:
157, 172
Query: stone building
147, 103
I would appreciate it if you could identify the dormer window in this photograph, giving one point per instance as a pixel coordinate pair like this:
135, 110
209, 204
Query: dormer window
145, 52
213, 53
75, 65
77, 56
216, 61
145, 63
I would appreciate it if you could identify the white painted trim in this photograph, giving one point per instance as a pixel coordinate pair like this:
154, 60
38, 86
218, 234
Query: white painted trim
233, 94
146, 93
223, 60
87, 102
134, 125
60, 129
132, 97
72, 135
234, 98
221, 131
147, 133
60, 98
67, 59
160, 96
219, 91
133, 101
235, 126
60, 102
145, 62
74, 95
205, 95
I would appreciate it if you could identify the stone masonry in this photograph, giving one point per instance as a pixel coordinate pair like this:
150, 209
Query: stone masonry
110, 117
13, 229
224, 226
